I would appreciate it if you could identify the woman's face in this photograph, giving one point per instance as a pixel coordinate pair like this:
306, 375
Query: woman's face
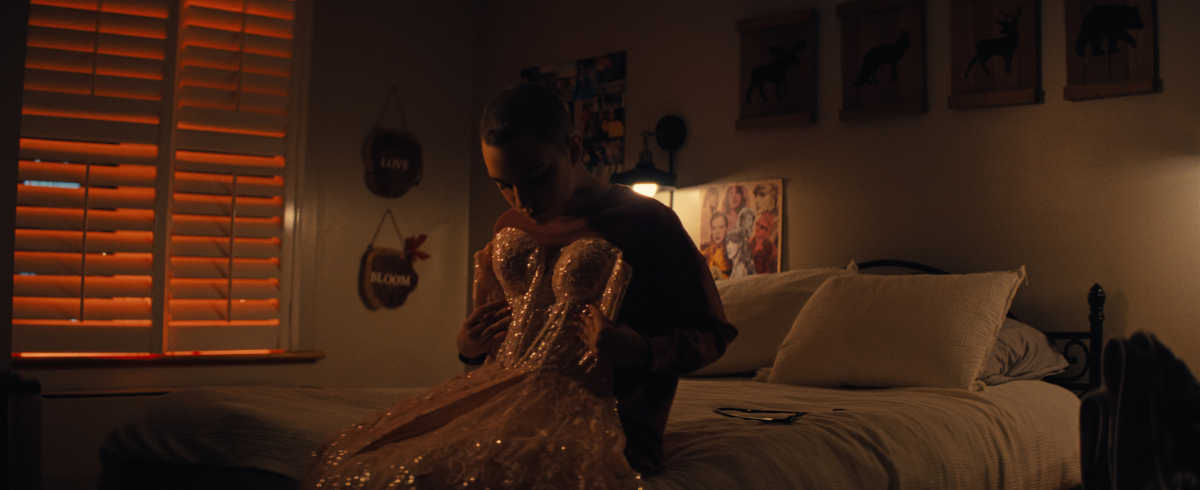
718, 228
746, 220
536, 179
736, 199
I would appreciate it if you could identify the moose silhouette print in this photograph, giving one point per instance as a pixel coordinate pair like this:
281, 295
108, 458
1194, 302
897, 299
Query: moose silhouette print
1002, 46
882, 55
1111, 22
774, 71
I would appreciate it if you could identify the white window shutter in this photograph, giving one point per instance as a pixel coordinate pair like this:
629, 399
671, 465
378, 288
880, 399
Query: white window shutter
231, 160
91, 154
88, 163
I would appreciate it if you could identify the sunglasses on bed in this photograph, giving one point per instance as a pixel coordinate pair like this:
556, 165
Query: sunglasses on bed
765, 416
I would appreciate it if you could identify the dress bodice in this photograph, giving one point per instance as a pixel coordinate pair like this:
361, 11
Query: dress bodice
547, 289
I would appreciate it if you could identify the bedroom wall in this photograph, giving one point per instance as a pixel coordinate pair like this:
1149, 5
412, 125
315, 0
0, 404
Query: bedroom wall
1101, 191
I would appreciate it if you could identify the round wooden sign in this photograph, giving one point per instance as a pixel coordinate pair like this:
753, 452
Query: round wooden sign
386, 278
392, 162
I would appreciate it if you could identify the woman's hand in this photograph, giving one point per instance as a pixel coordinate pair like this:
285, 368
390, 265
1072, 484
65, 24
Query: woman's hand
617, 344
484, 329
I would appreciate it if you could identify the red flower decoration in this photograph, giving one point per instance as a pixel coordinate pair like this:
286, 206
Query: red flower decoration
412, 244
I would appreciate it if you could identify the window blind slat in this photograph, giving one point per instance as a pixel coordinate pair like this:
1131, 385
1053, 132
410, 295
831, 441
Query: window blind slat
57, 263
64, 151
97, 197
215, 309
64, 39
100, 175
97, 220
261, 84
37, 308
270, 104
203, 204
218, 288
68, 286
232, 162
59, 60
129, 88
131, 46
205, 246
213, 98
72, 241
90, 107
218, 268
126, 67
238, 122
230, 143
134, 24
71, 128
191, 224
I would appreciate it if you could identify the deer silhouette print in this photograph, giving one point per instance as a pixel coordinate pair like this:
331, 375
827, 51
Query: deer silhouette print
882, 55
1108, 21
774, 71
1002, 46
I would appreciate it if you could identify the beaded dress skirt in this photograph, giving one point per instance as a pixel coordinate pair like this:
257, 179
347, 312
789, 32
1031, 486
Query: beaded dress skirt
539, 414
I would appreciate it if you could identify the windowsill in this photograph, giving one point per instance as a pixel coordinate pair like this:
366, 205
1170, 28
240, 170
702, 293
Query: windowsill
165, 360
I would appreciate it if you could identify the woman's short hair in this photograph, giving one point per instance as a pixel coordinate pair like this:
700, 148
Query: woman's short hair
526, 109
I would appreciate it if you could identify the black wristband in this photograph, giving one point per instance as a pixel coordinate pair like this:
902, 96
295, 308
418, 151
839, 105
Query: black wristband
472, 362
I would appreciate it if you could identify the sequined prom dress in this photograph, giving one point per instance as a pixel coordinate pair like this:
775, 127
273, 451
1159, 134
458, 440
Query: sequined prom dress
539, 414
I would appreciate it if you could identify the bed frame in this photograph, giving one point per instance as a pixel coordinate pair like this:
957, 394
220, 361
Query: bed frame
1082, 349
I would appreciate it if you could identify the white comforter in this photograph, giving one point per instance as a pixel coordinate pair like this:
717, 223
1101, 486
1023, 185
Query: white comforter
1020, 435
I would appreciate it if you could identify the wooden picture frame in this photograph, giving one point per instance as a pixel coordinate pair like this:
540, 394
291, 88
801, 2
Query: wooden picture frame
995, 53
778, 70
883, 58
1112, 48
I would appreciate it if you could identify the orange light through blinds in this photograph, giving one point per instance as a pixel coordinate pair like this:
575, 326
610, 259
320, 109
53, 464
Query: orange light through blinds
92, 157
86, 198
227, 222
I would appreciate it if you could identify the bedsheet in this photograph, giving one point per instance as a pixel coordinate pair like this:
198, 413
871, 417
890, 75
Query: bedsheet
268, 428
1019, 435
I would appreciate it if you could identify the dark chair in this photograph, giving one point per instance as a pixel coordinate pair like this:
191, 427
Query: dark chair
1141, 429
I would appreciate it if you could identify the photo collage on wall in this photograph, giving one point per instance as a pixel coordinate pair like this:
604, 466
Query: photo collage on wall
593, 90
740, 227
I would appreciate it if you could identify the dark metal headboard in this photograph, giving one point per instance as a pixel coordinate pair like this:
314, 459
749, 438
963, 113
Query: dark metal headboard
1082, 349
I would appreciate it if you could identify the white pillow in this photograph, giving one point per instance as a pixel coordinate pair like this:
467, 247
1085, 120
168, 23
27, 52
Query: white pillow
763, 308
897, 331
1021, 352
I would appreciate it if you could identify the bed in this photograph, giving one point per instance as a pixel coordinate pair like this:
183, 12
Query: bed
1013, 424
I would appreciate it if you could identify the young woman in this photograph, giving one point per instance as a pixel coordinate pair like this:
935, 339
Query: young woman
591, 301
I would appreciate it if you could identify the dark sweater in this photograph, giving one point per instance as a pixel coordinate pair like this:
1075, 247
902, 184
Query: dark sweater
671, 301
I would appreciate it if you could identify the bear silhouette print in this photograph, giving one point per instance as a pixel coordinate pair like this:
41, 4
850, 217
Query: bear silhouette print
1111, 22
882, 55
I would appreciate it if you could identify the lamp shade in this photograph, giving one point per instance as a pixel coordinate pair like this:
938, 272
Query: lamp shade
644, 177
646, 173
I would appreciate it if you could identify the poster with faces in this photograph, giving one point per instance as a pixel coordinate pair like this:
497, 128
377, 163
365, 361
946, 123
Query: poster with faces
740, 227
593, 92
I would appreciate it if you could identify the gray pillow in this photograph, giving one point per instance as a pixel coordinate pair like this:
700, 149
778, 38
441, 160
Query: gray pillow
1021, 352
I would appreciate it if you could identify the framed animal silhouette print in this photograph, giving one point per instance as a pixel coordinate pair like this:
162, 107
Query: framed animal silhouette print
883, 58
1112, 48
995, 53
778, 70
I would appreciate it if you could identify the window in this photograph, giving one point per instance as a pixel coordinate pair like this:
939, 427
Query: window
157, 162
